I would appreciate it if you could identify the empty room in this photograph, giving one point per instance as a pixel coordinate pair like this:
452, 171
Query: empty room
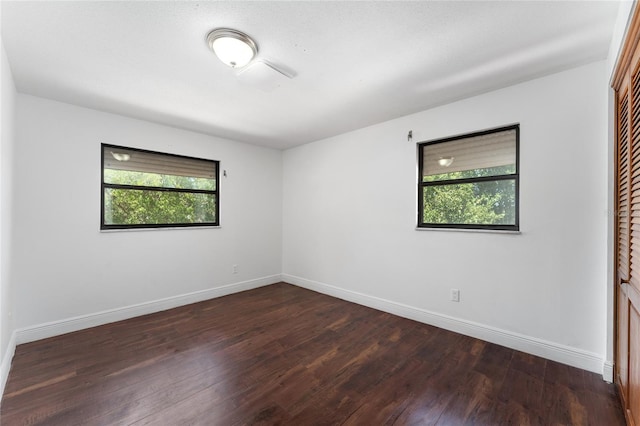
320, 213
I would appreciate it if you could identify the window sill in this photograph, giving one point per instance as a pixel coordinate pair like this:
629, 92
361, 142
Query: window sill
169, 228
481, 231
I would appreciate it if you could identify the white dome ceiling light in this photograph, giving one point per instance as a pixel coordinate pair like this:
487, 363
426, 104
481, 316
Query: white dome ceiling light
234, 48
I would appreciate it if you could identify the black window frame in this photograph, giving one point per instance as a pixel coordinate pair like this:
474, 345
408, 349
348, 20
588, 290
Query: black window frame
514, 176
216, 192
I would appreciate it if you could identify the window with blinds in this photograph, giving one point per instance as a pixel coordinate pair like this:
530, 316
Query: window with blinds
470, 181
146, 189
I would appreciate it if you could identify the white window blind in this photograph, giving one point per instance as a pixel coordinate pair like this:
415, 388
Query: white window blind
150, 162
472, 153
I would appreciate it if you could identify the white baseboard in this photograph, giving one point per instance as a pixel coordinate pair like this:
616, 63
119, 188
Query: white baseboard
5, 365
607, 371
55, 328
564, 354
543, 348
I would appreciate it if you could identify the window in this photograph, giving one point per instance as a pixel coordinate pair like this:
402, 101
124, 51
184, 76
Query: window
470, 181
146, 189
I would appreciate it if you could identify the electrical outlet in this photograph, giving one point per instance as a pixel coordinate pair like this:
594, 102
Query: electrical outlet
455, 295
235, 269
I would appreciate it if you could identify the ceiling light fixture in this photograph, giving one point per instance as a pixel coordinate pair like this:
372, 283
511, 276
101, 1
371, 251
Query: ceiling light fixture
445, 161
234, 48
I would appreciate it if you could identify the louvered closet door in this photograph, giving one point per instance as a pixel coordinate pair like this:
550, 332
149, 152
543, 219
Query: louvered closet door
628, 240
632, 129
633, 289
624, 234
624, 195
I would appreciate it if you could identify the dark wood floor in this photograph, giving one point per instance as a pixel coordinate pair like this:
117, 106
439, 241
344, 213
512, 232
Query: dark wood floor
285, 355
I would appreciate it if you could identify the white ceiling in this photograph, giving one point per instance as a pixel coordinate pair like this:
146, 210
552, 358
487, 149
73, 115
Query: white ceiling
355, 63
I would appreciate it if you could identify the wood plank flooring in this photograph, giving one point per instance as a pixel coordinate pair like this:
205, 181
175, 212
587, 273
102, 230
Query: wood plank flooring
284, 355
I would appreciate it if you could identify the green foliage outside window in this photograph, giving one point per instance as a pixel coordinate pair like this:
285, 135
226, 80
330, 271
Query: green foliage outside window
132, 206
486, 203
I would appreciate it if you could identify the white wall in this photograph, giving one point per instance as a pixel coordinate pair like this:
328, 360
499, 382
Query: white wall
350, 215
625, 9
7, 112
64, 267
